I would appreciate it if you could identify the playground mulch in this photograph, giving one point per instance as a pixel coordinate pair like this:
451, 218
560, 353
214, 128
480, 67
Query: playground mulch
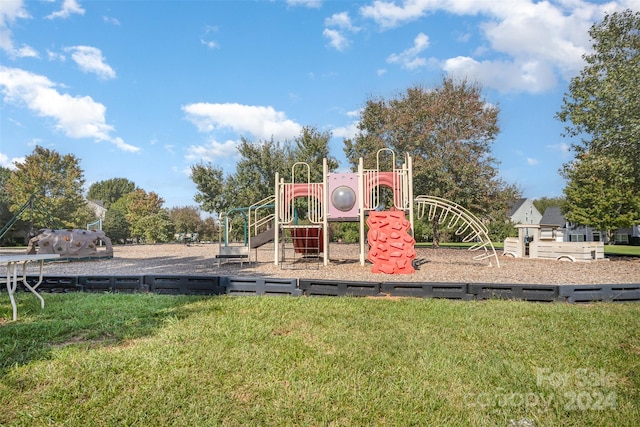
433, 265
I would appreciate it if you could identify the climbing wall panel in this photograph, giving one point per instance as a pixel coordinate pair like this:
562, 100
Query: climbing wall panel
391, 248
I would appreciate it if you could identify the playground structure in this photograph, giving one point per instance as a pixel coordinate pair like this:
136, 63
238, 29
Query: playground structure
544, 245
350, 197
71, 244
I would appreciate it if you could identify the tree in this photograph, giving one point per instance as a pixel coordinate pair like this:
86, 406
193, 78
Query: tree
56, 181
545, 202
602, 108
209, 230
448, 131
599, 192
147, 218
311, 147
186, 219
115, 223
5, 200
253, 180
210, 184
255, 174
110, 190
5, 212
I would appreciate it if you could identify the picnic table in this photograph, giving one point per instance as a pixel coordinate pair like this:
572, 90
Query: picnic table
13, 276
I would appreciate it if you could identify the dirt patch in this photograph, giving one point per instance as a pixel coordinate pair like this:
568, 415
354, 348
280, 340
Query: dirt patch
433, 265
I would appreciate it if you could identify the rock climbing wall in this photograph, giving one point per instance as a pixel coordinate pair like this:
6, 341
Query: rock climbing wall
391, 248
74, 243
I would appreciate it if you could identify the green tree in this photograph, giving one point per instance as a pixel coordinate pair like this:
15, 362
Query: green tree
602, 109
448, 131
148, 220
311, 147
56, 181
599, 192
186, 219
210, 185
209, 230
110, 190
5, 211
252, 181
115, 224
255, 174
545, 202
5, 200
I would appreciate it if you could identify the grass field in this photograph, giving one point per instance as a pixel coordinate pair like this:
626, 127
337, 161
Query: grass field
105, 360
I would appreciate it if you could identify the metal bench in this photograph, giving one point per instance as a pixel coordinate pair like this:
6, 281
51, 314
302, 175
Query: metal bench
233, 252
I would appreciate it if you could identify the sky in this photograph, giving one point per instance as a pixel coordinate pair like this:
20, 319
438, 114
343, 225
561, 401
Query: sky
143, 89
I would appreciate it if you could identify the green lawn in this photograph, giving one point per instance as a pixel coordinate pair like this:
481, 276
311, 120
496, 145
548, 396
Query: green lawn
623, 250
151, 360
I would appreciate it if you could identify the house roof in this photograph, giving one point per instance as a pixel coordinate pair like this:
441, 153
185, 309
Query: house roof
515, 206
553, 216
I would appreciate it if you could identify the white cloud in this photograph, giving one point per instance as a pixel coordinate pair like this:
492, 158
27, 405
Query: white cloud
212, 151
409, 58
563, 148
349, 131
77, 117
69, 7
261, 122
342, 23
206, 38
10, 163
533, 76
531, 161
10, 11
389, 15
314, 4
341, 20
354, 113
90, 60
209, 44
55, 56
119, 142
536, 41
111, 20
336, 39
25, 52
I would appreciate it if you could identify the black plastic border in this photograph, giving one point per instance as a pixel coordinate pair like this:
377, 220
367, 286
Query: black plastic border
248, 285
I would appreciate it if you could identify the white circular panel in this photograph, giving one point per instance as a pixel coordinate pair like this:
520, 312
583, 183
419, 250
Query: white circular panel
343, 198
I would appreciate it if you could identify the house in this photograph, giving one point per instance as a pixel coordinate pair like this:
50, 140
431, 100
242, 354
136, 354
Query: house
554, 225
524, 212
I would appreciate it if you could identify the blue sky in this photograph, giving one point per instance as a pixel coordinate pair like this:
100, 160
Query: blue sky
144, 89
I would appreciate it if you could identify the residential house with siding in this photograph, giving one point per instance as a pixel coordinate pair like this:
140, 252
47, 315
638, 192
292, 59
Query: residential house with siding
524, 212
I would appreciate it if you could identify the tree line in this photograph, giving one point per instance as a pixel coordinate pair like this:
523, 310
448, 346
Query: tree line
448, 130
56, 183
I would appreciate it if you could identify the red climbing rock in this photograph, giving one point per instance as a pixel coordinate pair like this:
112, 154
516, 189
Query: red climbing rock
391, 248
